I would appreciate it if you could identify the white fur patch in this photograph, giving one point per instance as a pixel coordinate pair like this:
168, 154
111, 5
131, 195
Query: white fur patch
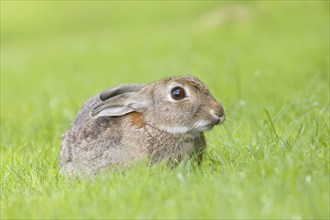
177, 130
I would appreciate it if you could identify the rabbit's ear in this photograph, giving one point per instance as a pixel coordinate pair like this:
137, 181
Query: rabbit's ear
120, 105
117, 90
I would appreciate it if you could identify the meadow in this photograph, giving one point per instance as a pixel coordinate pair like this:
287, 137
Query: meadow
266, 61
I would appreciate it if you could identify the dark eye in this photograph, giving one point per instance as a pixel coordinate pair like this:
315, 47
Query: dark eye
178, 93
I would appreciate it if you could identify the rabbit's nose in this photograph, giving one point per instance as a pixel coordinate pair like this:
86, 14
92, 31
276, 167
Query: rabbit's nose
218, 111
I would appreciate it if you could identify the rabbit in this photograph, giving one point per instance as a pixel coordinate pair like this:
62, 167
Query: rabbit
162, 121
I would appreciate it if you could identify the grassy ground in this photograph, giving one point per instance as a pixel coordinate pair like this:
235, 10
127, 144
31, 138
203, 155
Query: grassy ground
268, 62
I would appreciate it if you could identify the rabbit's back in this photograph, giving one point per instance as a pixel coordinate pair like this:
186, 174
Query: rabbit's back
87, 143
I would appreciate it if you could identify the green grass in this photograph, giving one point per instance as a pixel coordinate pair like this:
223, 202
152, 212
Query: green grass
268, 63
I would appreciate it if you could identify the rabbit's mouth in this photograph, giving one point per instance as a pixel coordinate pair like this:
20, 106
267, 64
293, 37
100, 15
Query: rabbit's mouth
221, 120
218, 116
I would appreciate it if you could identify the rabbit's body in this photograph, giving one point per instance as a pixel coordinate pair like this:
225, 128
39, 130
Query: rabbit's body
131, 124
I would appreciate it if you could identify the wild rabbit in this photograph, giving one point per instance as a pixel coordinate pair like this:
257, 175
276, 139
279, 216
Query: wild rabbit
164, 120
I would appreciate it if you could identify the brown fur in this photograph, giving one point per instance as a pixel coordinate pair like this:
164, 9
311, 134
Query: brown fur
137, 119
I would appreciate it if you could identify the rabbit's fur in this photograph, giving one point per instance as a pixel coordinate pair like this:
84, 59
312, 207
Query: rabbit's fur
134, 121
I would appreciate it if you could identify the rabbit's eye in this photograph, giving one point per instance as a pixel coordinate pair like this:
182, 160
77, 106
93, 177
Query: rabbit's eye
178, 93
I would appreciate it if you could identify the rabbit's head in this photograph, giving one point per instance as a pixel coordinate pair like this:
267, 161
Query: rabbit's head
176, 105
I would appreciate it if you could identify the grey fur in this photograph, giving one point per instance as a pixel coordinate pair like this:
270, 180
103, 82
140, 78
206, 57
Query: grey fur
140, 121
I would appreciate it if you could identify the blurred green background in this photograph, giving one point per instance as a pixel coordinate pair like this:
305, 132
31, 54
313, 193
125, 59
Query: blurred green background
266, 61
56, 54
